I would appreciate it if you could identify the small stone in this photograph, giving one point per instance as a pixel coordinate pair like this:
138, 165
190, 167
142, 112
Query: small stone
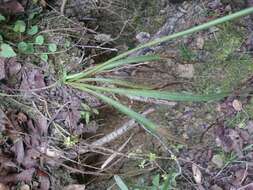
237, 105
217, 160
185, 70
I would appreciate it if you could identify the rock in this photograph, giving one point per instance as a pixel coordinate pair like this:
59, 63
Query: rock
217, 160
185, 70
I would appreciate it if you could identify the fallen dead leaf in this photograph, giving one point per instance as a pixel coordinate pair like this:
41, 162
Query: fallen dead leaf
2, 68
74, 187
3, 187
11, 7
217, 160
197, 175
237, 105
185, 70
200, 42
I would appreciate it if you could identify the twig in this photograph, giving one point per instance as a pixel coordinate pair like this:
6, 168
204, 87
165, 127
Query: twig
115, 154
118, 132
63, 6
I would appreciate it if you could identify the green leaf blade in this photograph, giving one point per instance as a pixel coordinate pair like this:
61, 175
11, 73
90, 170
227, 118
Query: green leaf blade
148, 125
7, 51
117, 64
52, 47
161, 95
33, 30
120, 183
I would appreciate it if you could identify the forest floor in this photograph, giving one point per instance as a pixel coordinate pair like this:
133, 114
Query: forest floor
55, 137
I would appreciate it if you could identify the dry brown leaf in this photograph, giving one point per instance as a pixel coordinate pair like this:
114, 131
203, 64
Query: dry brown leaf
237, 105
74, 187
200, 42
11, 7
3, 187
2, 68
197, 175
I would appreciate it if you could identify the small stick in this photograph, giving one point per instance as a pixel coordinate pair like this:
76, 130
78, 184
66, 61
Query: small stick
118, 132
114, 155
63, 6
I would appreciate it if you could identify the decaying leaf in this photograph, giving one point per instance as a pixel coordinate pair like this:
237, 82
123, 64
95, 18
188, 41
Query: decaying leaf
11, 7
237, 105
74, 187
197, 175
2, 68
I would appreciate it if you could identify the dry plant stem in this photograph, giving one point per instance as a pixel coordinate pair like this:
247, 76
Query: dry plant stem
114, 155
152, 101
115, 134
63, 6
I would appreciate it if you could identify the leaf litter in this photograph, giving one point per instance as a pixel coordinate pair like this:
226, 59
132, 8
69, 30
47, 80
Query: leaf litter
29, 148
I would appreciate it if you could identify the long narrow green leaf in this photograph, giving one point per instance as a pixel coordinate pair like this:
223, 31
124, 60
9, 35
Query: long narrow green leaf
110, 65
149, 125
161, 95
120, 183
115, 81
170, 37
187, 32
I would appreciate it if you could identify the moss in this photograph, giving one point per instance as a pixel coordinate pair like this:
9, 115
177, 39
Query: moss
224, 66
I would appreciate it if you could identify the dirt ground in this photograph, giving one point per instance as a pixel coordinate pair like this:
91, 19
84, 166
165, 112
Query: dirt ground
45, 139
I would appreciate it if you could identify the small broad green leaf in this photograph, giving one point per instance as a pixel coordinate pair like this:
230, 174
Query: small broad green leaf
44, 57
39, 40
33, 30
30, 48
25, 47
2, 18
22, 46
19, 26
67, 44
6, 51
32, 15
52, 47
1, 38
120, 183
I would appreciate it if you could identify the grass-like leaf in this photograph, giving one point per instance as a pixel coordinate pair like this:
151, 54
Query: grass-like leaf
118, 82
149, 125
120, 183
111, 65
161, 95
157, 41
